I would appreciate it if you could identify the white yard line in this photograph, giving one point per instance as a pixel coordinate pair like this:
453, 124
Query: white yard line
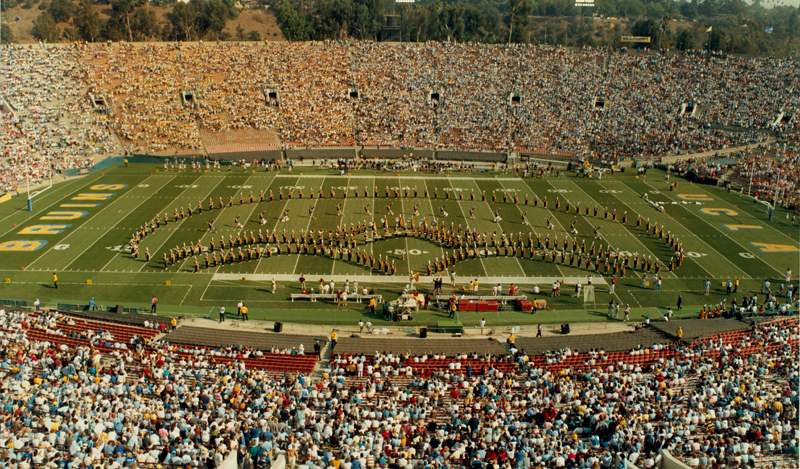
58, 201
297, 261
341, 219
187, 294
745, 274
178, 225
752, 251
433, 215
765, 223
185, 260
274, 228
372, 214
100, 237
667, 272
203, 295
466, 221
405, 226
122, 197
531, 225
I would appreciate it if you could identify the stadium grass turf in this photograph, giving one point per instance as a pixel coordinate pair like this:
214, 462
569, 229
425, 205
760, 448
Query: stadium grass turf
718, 237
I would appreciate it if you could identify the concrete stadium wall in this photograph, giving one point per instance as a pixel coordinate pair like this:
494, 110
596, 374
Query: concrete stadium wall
397, 153
320, 153
280, 461
249, 156
668, 461
467, 156
298, 154
630, 465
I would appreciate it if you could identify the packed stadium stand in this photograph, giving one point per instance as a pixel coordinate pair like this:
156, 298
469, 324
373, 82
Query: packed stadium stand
82, 392
104, 390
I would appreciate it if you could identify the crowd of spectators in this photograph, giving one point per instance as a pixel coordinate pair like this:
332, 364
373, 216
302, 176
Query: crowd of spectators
728, 401
448, 95
768, 172
47, 123
453, 96
772, 177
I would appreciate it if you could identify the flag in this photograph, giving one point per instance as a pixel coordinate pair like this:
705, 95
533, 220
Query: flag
709, 29
612, 26
768, 30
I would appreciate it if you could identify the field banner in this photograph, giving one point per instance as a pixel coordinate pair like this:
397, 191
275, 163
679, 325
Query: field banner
635, 39
5, 198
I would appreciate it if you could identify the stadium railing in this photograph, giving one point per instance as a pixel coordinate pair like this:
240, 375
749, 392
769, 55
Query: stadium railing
80, 307
13, 302
72, 307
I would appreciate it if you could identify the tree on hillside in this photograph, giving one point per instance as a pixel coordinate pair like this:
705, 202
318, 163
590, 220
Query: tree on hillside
215, 16
663, 29
295, 26
791, 26
685, 40
7, 35
144, 24
70, 34
44, 28
182, 17
716, 40
87, 20
125, 8
333, 18
631, 8
233, 12
62, 10
518, 20
367, 19
647, 27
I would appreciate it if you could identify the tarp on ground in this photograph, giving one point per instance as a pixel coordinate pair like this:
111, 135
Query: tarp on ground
97, 167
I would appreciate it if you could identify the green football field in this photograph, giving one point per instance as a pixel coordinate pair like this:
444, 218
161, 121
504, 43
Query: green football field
79, 230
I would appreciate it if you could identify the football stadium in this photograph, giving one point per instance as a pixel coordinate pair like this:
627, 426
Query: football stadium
359, 255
